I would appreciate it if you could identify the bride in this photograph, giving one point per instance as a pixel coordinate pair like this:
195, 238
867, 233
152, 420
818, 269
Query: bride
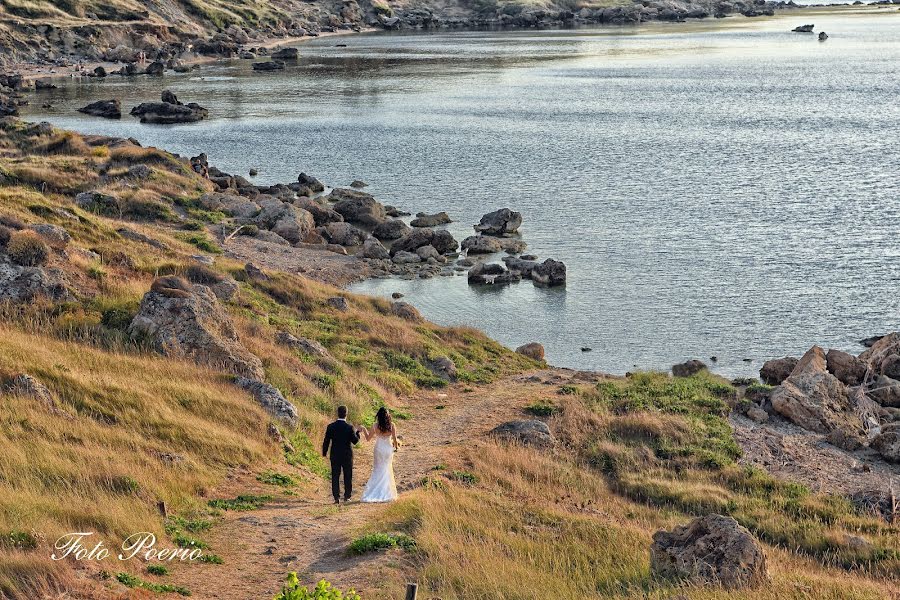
381, 486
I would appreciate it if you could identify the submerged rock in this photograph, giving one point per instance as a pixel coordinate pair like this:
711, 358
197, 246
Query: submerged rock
426, 220
550, 273
500, 222
108, 109
272, 65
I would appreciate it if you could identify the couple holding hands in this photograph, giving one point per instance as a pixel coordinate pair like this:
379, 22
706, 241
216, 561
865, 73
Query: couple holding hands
341, 436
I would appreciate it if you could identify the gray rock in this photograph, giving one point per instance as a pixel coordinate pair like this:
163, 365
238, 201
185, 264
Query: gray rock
481, 244
310, 182
491, 273
53, 234
139, 172
270, 399
338, 302
774, 371
406, 258
372, 248
689, 368
886, 391
426, 220
343, 234
407, 311
108, 109
284, 219
322, 214
392, 229
550, 273
98, 203
847, 368
186, 321
532, 350
525, 267
444, 368
530, 433
428, 252
500, 222
165, 113
286, 54
414, 240
23, 284
358, 207
29, 387
444, 242
272, 65
304, 345
713, 550
887, 443
235, 206
755, 413
226, 289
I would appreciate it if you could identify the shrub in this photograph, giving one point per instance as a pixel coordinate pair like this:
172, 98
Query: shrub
26, 248
541, 408
292, 590
274, 478
381, 541
203, 275
157, 569
19, 540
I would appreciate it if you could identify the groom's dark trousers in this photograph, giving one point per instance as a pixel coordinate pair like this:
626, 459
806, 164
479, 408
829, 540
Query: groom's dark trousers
341, 437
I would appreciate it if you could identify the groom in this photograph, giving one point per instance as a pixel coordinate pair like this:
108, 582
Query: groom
341, 436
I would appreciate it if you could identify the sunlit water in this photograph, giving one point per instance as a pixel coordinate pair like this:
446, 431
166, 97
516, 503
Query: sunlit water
726, 189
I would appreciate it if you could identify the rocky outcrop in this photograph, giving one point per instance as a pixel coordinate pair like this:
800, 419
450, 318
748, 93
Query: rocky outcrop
847, 368
491, 274
23, 284
444, 242
285, 219
887, 443
358, 207
235, 206
414, 240
304, 345
392, 229
185, 320
816, 400
426, 220
532, 350
372, 248
713, 549
270, 399
500, 222
774, 371
689, 368
322, 214
549, 273
108, 109
530, 433
169, 111
343, 234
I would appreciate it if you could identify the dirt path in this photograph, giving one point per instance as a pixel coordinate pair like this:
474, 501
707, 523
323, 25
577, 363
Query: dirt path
309, 535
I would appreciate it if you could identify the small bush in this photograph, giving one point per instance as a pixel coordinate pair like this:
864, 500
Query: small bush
381, 541
464, 477
202, 242
542, 408
26, 248
212, 559
292, 590
157, 570
279, 479
203, 275
242, 502
18, 540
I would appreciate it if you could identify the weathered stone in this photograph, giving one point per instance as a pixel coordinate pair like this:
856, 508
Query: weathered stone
185, 320
405, 310
285, 219
358, 207
54, 235
481, 244
270, 399
372, 248
444, 368
444, 242
530, 433
887, 443
22, 284
689, 368
713, 549
392, 229
108, 109
814, 399
414, 240
500, 222
886, 391
847, 368
322, 214
406, 258
343, 234
533, 350
426, 220
337, 302
549, 273
774, 371
304, 345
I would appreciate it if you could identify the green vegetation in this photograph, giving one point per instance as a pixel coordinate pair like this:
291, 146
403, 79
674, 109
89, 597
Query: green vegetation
243, 502
463, 477
278, 479
292, 590
132, 581
541, 408
201, 241
27, 249
373, 542
157, 570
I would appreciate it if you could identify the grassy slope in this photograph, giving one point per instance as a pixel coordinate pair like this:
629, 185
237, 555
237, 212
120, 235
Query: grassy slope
97, 463
639, 455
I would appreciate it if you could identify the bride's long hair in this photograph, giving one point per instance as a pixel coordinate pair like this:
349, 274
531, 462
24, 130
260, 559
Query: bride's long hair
383, 420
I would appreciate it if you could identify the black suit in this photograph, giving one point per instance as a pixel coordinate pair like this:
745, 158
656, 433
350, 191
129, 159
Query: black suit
341, 436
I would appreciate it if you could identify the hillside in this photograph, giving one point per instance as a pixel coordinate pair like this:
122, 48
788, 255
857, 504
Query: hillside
111, 407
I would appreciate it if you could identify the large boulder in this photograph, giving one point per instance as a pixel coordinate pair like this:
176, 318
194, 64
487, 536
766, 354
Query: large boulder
286, 220
774, 371
322, 214
185, 320
530, 432
532, 350
343, 234
689, 368
887, 443
481, 244
412, 241
108, 109
883, 357
236, 206
166, 113
444, 242
491, 273
392, 229
23, 284
407, 311
500, 222
814, 399
270, 399
550, 273
886, 391
713, 549
525, 267
847, 368
358, 207
372, 248
426, 220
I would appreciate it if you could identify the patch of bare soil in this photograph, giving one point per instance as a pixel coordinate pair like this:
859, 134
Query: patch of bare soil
320, 265
791, 453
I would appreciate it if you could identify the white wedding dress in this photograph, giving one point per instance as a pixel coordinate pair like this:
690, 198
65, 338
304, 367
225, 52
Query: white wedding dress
381, 486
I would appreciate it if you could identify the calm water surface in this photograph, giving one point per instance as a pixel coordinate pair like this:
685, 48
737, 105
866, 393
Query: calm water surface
726, 189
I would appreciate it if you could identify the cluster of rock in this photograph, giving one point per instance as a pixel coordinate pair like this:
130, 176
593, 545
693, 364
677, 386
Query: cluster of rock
809, 29
853, 400
11, 97
170, 110
24, 271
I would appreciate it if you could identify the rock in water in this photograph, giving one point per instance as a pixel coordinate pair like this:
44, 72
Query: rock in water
286, 54
273, 65
814, 399
500, 222
108, 109
823, 36
689, 368
372, 248
165, 113
804, 29
426, 220
550, 273
710, 550
358, 207
270, 399
774, 371
392, 229
530, 433
185, 320
533, 350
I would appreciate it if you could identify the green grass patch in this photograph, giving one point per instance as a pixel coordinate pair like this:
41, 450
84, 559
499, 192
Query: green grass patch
201, 241
132, 581
244, 502
374, 542
157, 570
541, 408
278, 479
